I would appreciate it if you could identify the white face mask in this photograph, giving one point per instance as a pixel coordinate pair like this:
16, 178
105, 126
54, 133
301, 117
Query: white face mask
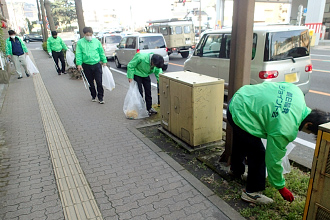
89, 38
13, 36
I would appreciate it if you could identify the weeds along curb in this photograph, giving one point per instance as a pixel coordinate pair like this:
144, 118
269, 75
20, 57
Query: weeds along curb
230, 212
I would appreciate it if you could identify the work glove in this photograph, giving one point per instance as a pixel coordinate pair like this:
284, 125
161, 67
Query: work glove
286, 194
50, 55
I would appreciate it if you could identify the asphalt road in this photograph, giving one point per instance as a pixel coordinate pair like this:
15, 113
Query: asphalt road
318, 97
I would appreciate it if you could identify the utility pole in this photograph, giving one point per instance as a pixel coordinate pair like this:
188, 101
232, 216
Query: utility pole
49, 15
80, 16
44, 20
39, 17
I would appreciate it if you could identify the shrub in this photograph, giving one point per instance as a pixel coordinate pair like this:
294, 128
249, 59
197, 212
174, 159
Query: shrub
44, 46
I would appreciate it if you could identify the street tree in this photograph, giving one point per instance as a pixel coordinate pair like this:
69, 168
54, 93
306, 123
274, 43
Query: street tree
80, 16
64, 12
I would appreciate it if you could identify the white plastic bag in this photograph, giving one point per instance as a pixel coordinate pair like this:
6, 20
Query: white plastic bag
107, 79
70, 58
285, 160
30, 66
134, 106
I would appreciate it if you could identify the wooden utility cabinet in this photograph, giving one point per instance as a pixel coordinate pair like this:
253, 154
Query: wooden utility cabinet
191, 106
318, 195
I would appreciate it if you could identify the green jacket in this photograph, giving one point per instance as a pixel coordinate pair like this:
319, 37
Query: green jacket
89, 52
55, 44
9, 48
273, 111
140, 65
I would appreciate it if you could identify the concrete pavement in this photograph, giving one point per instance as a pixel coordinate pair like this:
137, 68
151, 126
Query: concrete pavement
65, 157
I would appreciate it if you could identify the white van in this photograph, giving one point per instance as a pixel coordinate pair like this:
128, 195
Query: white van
140, 43
279, 53
109, 43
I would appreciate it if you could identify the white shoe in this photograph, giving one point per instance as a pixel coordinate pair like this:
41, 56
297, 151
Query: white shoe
94, 100
256, 198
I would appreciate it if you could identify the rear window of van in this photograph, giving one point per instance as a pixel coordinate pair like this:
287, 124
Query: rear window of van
151, 42
286, 45
112, 39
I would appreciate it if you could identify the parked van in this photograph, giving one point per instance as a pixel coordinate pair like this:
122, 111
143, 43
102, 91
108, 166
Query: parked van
280, 53
109, 43
179, 34
140, 43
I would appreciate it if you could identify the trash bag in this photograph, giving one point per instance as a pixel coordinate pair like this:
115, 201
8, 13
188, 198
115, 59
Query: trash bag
285, 160
30, 66
70, 58
107, 79
134, 106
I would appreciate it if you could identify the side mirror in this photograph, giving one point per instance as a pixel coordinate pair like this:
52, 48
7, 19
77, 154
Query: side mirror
197, 52
117, 45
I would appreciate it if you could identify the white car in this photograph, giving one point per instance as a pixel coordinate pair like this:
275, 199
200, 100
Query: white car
142, 43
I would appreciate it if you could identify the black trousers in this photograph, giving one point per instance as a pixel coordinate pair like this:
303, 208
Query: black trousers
56, 56
246, 145
94, 72
146, 83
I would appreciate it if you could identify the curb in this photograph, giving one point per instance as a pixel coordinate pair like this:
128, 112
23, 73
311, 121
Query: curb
196, 183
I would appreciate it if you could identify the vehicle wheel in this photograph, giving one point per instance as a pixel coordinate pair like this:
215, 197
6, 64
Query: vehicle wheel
118, 65
185, 54
27, 41
165, 67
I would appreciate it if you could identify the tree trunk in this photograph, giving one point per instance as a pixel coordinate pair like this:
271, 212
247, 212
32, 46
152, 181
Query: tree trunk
80, 16
42, 6
49, 15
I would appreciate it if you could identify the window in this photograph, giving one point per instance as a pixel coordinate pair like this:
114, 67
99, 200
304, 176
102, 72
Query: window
152, 42
122, 43
212, 45
178, 30
112, 39
186, 29
131, 42
171, 31
164, 31
286, 45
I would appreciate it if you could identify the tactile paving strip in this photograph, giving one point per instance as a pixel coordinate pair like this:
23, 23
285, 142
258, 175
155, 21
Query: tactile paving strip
76, 196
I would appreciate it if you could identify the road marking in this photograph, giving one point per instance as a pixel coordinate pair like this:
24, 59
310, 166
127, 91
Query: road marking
119, 71
325, 71
322, 60
320, 93
75, 193
176, 64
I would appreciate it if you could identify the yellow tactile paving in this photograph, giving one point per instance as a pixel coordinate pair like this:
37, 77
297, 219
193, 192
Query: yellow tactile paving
76, 196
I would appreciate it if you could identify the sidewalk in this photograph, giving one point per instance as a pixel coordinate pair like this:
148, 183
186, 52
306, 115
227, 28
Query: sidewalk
66, 157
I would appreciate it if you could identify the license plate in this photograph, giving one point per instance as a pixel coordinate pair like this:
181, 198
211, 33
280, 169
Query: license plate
188, 42
292, 77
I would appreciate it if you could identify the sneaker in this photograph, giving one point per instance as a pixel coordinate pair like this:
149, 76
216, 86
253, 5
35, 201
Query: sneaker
64, 72
27, 75
101, 102
256, 198
93, 100
243, 176
20, 77
59, 73
152, 111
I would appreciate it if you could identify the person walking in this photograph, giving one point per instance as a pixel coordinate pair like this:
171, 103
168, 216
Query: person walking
16, 50
55, 47
139, 69
89, 53
276, 112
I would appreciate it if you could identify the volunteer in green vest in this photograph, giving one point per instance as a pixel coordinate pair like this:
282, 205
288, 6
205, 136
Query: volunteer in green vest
89, 53
55, 45
16, 50
276, 112
139, 69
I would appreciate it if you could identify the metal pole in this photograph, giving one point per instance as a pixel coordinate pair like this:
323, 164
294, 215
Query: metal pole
39, 17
